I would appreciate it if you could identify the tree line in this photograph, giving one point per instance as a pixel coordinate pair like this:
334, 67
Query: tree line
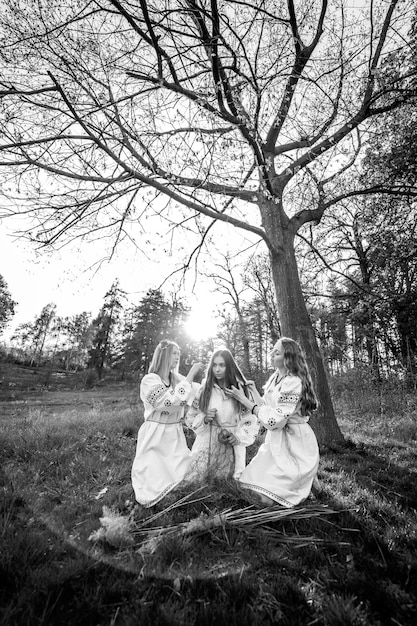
365, 318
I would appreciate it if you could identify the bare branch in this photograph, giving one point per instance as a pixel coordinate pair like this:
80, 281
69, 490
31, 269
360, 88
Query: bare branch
14, 91
302, 56
363, 112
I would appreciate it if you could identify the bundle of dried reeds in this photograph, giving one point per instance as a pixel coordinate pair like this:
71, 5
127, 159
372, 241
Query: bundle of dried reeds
247, 519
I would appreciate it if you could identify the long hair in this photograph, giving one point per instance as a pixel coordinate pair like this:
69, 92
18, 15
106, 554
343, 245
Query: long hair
232, 376
162, 357
296, 364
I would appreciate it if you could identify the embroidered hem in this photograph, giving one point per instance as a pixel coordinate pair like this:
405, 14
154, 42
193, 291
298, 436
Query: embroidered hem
161, 495
271, 495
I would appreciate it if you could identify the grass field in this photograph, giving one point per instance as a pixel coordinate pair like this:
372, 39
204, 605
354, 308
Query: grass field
67, 453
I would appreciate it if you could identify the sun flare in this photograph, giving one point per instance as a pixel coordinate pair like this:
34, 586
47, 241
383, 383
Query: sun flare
201, 324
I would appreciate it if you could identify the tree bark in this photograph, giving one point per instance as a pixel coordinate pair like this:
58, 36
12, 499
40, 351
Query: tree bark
295, 323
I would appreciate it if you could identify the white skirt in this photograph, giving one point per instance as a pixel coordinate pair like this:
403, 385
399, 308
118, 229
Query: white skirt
162, 459
285, 465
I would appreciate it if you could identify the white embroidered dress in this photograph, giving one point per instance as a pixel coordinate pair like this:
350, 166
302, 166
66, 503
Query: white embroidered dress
286, 463
210, 457
162, 455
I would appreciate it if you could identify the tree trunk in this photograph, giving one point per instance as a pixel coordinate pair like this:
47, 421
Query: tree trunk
295, 323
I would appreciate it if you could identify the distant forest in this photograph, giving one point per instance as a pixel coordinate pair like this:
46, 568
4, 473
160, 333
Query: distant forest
369, 321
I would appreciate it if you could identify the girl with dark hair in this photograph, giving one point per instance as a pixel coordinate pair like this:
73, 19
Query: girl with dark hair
285, 465
223, 428
162, 455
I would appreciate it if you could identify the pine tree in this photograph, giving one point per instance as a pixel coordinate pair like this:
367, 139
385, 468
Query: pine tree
102, 351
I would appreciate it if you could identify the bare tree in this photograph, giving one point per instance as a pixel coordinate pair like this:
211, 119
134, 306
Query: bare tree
258, 278
232, 288
36, 333
240, 112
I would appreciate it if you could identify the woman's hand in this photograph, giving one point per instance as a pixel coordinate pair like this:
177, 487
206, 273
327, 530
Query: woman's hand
237, 393
210, 416
254, 393
227, 438
194, 370
251, 386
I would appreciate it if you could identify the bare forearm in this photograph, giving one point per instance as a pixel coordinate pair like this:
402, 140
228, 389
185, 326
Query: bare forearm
257, 397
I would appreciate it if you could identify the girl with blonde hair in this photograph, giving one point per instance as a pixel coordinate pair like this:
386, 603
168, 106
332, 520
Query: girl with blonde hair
286, 464
162, 456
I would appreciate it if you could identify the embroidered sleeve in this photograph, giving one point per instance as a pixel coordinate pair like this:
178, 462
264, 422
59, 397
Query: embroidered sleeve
248, 428
155, 393
285, 401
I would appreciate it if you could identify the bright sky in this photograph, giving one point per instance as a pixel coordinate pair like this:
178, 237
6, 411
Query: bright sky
75, 281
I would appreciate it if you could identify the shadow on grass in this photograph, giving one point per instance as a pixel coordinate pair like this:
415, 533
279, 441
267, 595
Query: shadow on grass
370, 581
377, 501
373, 467
45, 580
